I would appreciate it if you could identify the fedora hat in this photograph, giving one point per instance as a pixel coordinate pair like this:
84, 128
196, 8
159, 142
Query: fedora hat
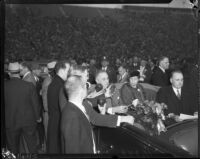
51, 65
13, 67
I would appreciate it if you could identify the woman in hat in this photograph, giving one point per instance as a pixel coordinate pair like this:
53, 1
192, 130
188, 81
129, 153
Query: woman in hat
132, 90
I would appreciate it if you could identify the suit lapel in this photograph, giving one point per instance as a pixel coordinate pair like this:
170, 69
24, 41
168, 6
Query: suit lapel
174, 94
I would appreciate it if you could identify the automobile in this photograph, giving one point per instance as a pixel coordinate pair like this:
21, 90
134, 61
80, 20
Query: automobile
180, 140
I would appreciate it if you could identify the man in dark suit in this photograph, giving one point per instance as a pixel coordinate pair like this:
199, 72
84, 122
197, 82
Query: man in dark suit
76, 131
160, 76
135, 65
21, 111
92, 71
123, 74
25, 72
177, 96
53, 130
110, 71
45, 85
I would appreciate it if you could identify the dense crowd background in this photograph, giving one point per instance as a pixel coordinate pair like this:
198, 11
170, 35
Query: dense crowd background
145, 34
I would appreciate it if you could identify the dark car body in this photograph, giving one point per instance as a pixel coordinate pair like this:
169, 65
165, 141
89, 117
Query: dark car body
180, 140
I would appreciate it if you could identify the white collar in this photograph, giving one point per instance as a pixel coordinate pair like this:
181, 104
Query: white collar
162, 69
26, 74
175, 90
104, 68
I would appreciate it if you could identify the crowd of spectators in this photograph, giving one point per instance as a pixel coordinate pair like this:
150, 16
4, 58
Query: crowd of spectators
31, 36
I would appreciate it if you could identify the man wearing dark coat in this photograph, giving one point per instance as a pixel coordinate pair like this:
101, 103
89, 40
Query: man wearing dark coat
160, 76
25, 72
112, 74
177, 97
76, 130
21, 111
53, 130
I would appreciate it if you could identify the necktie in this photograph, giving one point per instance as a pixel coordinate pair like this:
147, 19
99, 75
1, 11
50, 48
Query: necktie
178, 94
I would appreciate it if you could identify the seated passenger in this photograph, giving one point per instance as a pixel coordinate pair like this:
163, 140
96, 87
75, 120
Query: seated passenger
177, 97
105, 92
132, 90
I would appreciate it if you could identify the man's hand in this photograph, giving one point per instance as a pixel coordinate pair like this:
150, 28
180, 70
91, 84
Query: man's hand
195, 113
171, 115
135, 102
177, 118
108, 92
102, 109
127, 119
120, 109
39, 120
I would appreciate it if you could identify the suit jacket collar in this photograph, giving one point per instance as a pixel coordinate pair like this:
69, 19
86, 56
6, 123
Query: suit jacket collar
161, 69
59, 78
26, 74
174, 94
123, 75
175, 90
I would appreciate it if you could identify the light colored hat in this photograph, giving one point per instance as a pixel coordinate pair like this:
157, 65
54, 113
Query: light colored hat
13, 67
51, 65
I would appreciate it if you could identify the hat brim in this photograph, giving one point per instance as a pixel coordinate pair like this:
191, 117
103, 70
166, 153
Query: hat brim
13, 71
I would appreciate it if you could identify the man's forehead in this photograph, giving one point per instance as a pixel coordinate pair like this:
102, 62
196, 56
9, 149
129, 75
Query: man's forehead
165, 59
177, 75
103, 75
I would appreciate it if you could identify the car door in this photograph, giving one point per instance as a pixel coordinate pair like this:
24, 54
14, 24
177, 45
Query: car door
121, 141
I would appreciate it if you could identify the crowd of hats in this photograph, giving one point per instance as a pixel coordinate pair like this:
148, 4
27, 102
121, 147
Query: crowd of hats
30, 36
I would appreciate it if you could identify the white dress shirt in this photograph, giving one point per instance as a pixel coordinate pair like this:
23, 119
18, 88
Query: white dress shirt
104, 68
175, 91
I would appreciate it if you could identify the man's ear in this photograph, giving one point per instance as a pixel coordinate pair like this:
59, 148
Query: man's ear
171, 80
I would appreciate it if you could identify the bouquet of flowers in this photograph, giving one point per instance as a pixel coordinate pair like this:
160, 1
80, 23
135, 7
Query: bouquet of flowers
150, 115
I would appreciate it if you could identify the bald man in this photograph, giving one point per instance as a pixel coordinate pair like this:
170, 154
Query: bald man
76, 131
177, 96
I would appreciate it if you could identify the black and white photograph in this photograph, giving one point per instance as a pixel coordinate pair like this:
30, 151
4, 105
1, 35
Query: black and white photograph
100, 79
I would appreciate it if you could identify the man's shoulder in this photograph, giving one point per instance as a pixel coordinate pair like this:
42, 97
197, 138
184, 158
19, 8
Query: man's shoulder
69, 109
19, 84
157, 70
48, 79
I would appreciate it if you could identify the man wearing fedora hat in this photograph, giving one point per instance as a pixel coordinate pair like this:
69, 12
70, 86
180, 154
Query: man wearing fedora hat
21, 111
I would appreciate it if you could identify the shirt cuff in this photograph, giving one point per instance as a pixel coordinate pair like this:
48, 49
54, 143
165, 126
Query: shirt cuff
109, 111
118, 120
